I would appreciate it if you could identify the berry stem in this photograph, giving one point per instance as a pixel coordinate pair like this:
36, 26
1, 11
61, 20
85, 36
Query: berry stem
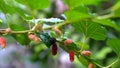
84, 42
56, 25
98, 64
106, 16
112, 63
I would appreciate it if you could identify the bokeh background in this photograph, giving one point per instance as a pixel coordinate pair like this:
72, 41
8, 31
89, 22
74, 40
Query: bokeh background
38, 55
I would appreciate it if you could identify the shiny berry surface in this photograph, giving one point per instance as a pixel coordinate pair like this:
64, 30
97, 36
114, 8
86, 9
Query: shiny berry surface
71, 55
90, 65
68, 41
52, 41
31, 36
86, 53
2, 42
54, 49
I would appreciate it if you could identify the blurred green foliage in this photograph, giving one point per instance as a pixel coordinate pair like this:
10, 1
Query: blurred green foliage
92, 26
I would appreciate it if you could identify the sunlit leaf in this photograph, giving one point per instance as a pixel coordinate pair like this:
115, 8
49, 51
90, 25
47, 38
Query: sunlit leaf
75, 3
6, 8
78, 13
115, 45
103, 52
90, 29
116, 9
35, 4
20, 38
16, 7
79, 44
107, 22
75, 15
39, 48
116, 6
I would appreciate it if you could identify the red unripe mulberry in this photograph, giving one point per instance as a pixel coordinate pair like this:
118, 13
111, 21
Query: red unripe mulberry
90, 65
86, 53
71, 55
36, 40
31, 36
54, 49
68, 41
58, 31
2, 42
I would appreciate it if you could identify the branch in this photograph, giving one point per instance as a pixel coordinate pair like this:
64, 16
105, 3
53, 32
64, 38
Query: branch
3, 31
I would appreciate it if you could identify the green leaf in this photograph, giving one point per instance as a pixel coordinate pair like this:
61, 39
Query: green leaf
73, 47
6, 8
75, 3
53, 34
116, 65
81, 8
85, 47
107, 22
72, 3
116, 9
16, 7
21, 38
45, 38
115, 45
38, 4
117, 13
83, 60
102, 53
90, 29
12, 7
116, 6
75, 15
22, 1
39, 48
35, 4
90, 2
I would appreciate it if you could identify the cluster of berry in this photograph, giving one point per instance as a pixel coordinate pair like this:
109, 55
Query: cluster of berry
67, 42
33, 37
